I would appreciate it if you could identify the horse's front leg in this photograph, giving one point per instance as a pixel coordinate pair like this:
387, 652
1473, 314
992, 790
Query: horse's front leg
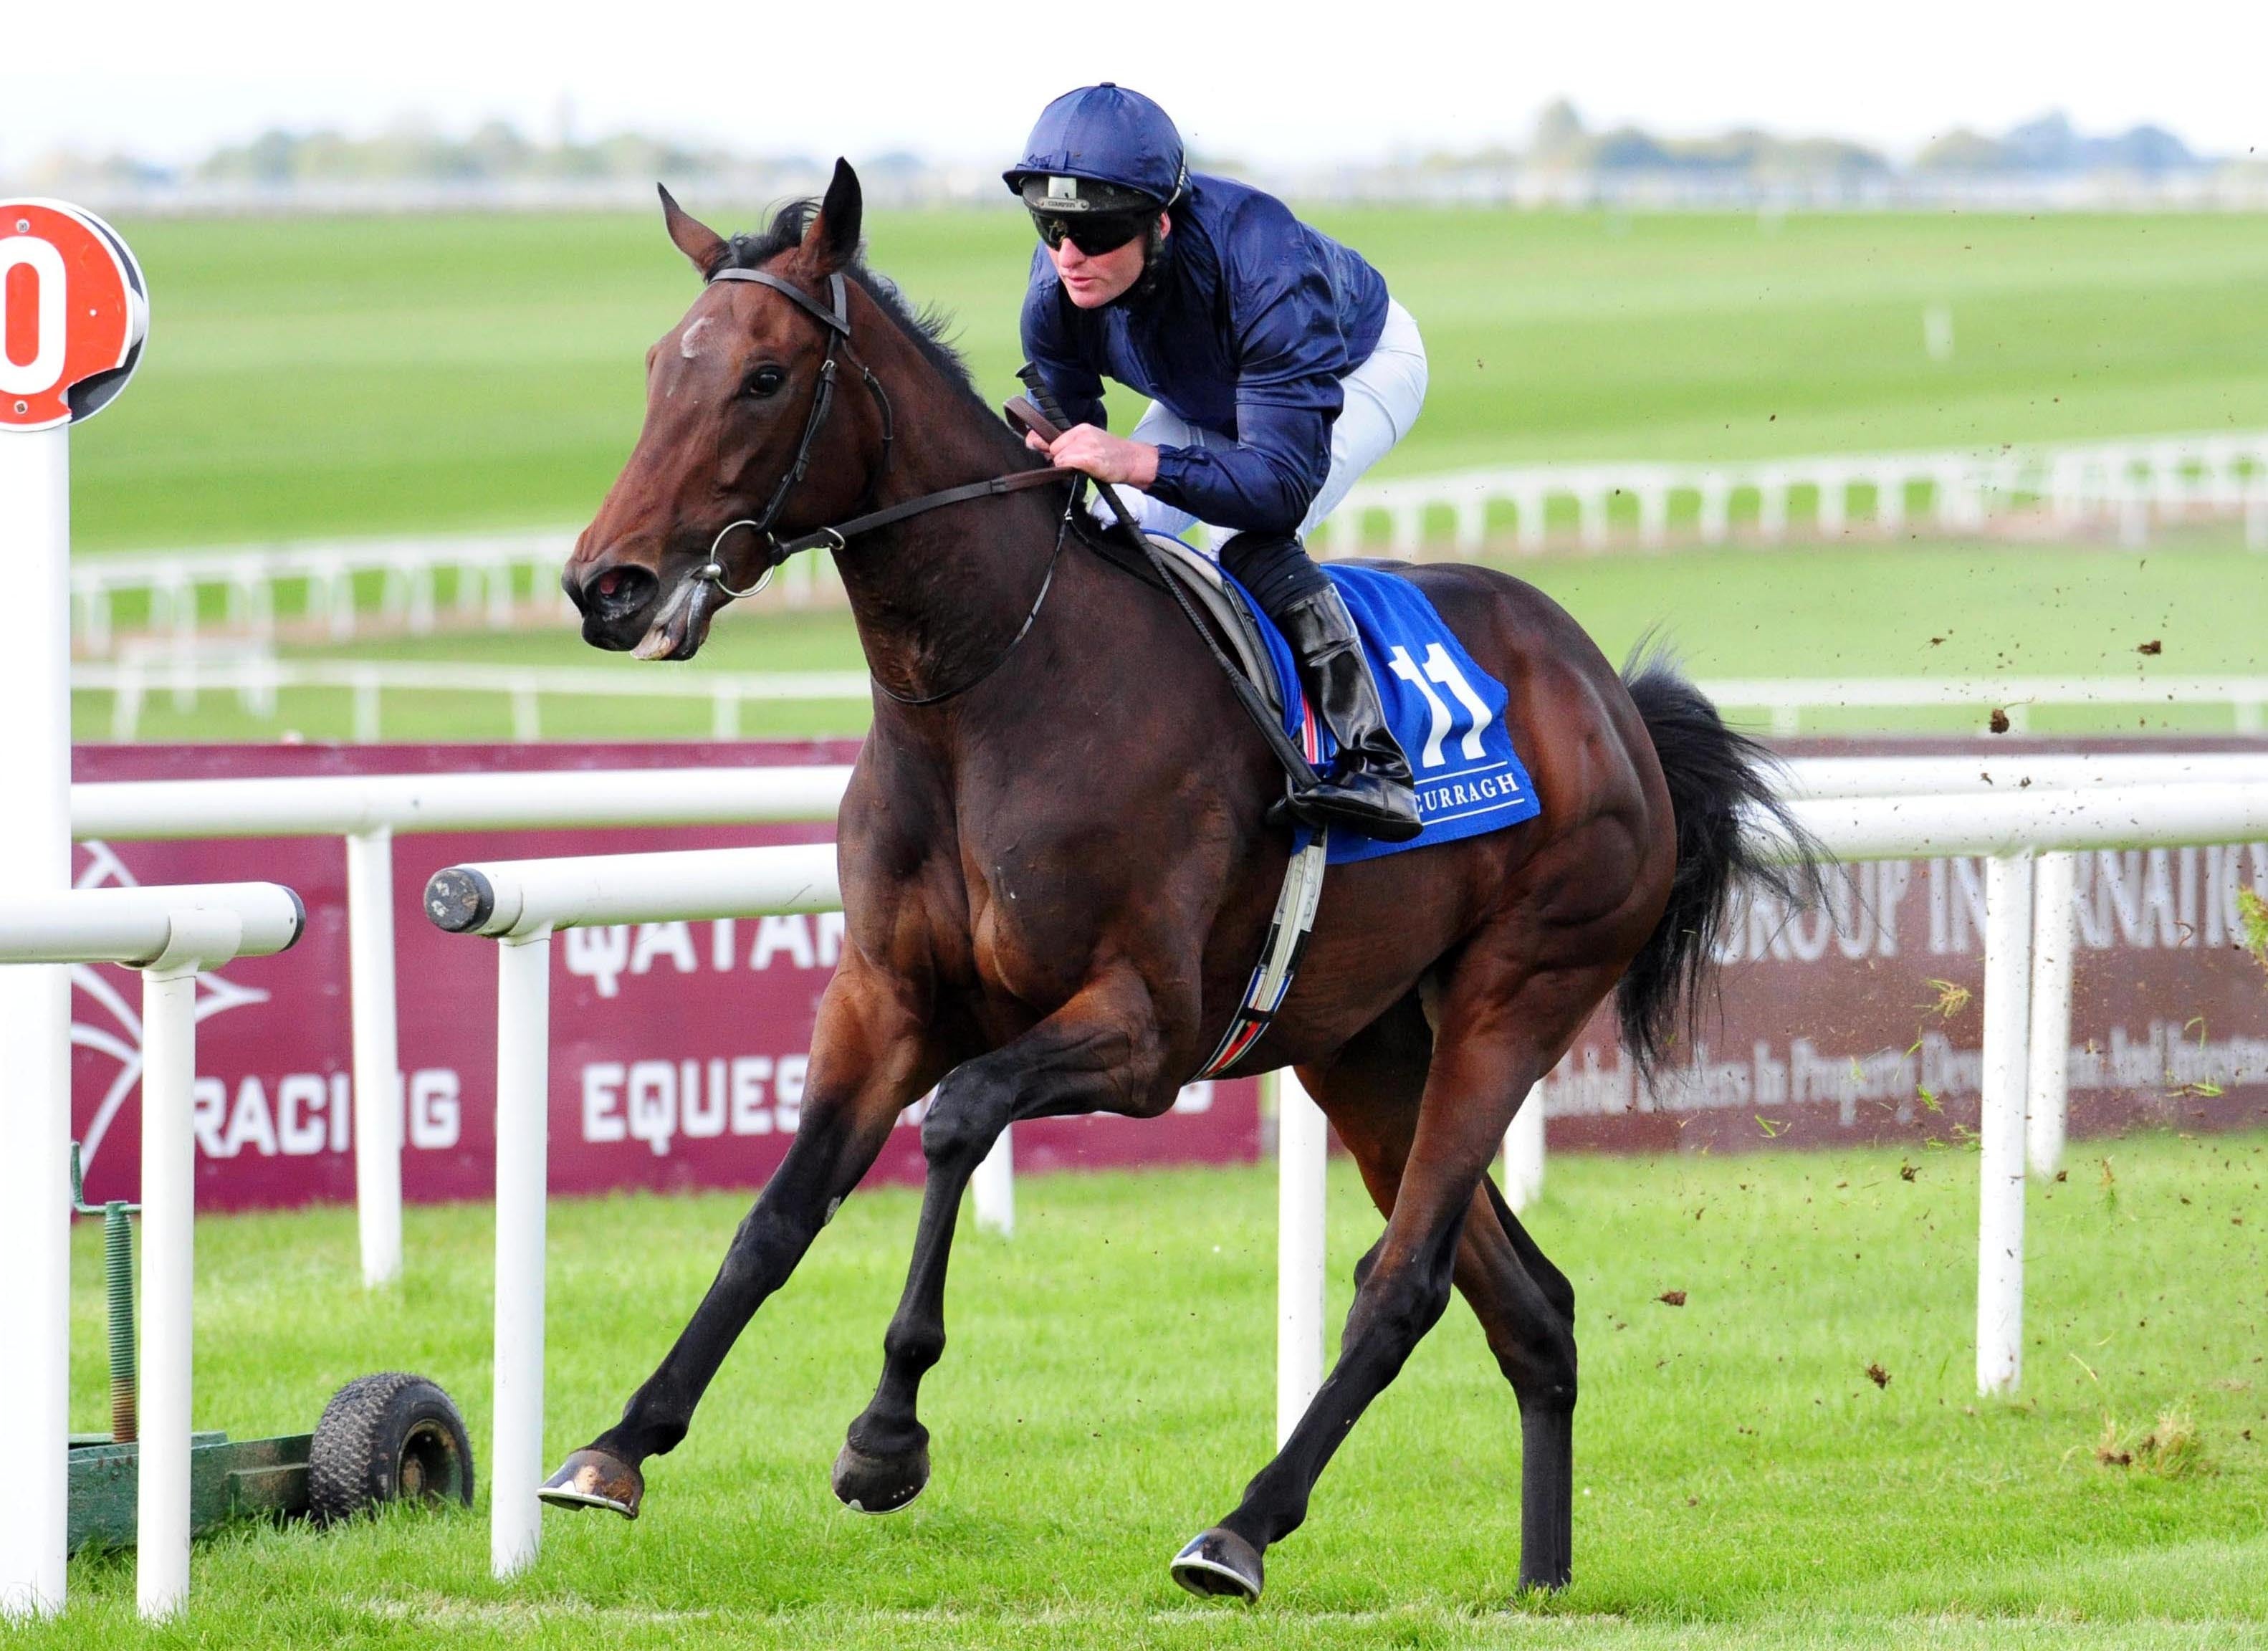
871, 1057
1101, 1052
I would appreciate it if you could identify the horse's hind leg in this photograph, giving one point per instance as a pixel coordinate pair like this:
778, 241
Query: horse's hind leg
1527, 1309
1525, 1305
1500, 1029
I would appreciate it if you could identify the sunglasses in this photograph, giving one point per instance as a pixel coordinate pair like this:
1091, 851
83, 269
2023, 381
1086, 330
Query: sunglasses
1093, 235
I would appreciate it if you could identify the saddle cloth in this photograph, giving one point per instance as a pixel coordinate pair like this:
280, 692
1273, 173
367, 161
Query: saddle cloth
1446, 712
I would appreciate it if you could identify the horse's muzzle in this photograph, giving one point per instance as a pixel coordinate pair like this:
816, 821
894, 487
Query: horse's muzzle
616, 602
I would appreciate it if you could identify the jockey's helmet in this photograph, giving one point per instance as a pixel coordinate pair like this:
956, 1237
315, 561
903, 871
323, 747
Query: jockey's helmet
1100, 150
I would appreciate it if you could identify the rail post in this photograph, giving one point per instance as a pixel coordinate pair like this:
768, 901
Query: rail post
2000, 1130
376, 1059
169, 1168
1523, 1152
2048, 1096
993, 1187
35, 1020
1301, 1142
73, 297
522, 1143
161, 1553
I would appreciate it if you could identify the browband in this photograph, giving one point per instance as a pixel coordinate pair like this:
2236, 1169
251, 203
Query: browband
838, 318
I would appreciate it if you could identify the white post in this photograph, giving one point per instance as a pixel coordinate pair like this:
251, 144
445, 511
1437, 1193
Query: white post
1301, 1141
2048, 1101
1524, 1153
994, 1187
522, 1118
35, 1023
377, 1059
2001, 1160
161, 1557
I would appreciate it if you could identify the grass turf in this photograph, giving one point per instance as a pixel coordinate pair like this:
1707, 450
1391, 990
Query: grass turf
427, 373
1742, 1482
1926, 610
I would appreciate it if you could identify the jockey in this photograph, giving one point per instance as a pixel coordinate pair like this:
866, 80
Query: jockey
1280, 371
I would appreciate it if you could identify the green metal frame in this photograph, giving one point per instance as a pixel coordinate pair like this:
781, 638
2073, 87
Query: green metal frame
229, 1479
244, 1478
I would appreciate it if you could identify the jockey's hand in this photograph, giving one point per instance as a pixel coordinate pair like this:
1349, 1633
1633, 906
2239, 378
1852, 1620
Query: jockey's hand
1099, 454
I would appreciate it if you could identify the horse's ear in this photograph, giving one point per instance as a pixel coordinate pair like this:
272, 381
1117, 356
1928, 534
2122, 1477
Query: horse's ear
831, 239
693, 238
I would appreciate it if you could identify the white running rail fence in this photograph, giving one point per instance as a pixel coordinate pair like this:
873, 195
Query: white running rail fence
335, 588
185, 677
170, 934
368, 812
2130, 486
2027, 838
256, 681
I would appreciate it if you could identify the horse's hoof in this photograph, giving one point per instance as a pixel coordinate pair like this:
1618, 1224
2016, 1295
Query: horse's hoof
879, 1484
1219, 1565
593, 1479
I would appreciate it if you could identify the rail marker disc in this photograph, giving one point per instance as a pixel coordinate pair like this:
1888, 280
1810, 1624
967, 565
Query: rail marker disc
74, 312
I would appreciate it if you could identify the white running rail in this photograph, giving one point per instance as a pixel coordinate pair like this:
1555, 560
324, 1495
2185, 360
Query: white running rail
520, 904
2130, 484
368, 812
336, 587
2028, 836
170, 934
257, 681
412, 583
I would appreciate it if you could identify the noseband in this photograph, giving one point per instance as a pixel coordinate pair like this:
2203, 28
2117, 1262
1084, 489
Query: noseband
837, 320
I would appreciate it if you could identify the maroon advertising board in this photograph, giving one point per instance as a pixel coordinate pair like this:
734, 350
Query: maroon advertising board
677, 1050
1863, 1021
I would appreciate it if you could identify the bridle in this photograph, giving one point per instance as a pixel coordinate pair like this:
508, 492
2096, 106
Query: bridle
836, 319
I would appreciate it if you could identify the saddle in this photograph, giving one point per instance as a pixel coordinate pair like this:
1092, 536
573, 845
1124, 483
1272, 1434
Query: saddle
1227, 606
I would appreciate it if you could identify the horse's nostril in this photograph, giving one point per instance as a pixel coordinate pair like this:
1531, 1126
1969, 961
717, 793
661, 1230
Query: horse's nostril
617, 594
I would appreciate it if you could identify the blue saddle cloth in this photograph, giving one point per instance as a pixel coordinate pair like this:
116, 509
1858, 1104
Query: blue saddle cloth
1446, 710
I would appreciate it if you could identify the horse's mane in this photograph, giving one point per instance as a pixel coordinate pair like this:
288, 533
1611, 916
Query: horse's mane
929, 328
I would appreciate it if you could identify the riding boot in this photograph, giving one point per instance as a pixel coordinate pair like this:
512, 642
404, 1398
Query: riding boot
1369, 789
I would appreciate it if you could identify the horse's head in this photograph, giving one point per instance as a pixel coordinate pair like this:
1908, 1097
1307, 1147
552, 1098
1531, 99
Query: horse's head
730, 391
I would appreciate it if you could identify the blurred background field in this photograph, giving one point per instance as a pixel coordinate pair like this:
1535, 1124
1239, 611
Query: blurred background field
317, 376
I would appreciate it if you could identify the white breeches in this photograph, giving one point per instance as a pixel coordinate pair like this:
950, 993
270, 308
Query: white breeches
1383, 397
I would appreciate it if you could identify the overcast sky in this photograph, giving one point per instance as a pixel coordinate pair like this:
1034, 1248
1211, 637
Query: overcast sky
1283, 81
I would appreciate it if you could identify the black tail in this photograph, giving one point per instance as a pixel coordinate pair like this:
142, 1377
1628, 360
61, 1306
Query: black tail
1717, 779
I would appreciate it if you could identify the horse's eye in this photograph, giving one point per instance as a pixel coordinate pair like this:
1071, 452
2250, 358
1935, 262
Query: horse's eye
766, 381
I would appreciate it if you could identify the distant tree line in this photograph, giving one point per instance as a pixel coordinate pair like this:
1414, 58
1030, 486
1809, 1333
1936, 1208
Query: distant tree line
499, 154
2047, 145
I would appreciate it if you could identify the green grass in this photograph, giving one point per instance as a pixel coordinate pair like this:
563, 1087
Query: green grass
1741, 1480
423, 374
1921, 610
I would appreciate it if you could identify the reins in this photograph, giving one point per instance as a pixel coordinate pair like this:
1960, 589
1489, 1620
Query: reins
835, 317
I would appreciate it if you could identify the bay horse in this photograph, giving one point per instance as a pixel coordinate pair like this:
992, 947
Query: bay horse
1056, 873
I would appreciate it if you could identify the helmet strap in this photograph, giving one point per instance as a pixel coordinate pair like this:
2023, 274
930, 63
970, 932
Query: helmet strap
1152, 281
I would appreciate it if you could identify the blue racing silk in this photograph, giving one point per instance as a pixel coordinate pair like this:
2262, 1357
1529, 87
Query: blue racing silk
1250, 323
